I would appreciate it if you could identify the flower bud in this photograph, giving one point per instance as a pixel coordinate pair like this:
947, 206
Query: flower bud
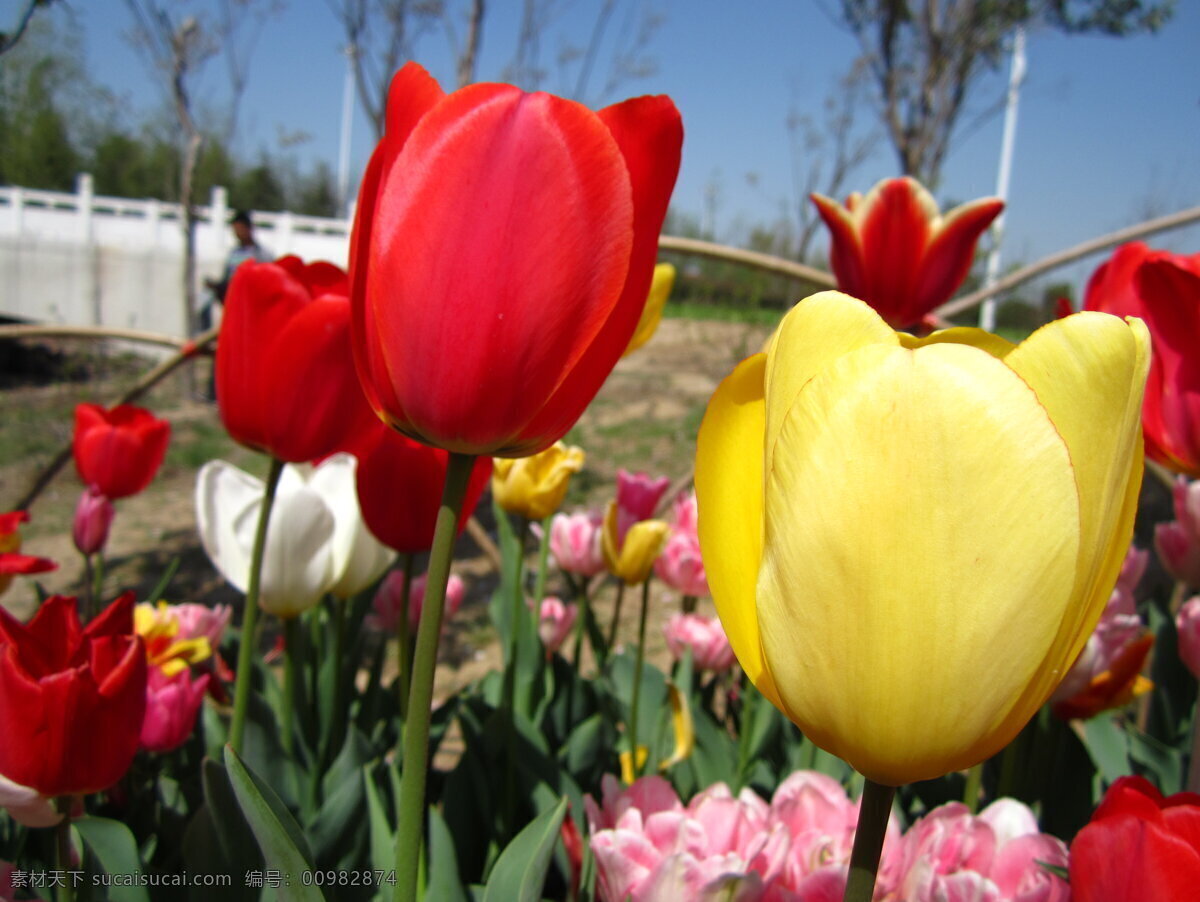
93, 517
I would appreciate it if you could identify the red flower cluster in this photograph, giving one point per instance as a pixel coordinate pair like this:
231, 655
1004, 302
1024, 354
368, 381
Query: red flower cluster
1164, 290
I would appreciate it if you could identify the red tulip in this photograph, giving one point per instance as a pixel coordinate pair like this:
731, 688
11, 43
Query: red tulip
72, 698
1164, 290
1138, 847
118, 451
285, 376
399, 484
12, 562
894, 250
502, 253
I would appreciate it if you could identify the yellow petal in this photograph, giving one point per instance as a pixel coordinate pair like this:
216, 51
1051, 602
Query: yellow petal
814, 333
685, 728
534, 486
729, 498
660, 290
1088, 371
962, 335
921, 529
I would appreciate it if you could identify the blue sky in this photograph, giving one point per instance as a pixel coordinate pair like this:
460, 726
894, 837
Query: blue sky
1108, 133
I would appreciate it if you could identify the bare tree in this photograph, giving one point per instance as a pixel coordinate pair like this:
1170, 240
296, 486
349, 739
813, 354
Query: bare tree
927, 56
9, 39
384, 34
178, 48
828, 151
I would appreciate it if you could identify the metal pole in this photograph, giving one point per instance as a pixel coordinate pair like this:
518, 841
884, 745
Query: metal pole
987, 312
343, 170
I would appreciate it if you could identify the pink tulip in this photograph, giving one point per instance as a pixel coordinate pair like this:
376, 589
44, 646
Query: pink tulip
575, 542
637, 499
555, 621
1107, 673
649, 846
704, 636
389, 596
1178, 542
679, 565
93, 518
172, 703
1187, 624
27, 806
196, 620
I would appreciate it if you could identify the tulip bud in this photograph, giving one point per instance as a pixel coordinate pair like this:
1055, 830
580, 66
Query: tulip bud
172, 703
704, 636
1178, 542
555, 621
575, 542
630, 555
535, 486
1187, 623
93, 517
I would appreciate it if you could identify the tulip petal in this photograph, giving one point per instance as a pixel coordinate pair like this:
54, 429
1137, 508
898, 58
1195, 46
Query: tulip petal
649, 133
358, 558
1087, 371
845, 249
962, 335
224, 495
297, 567
943, 443
950, 253
894, 221
542, 280
729, 489
817, 331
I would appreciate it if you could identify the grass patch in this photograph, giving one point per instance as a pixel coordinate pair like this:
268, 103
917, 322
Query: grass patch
759, 316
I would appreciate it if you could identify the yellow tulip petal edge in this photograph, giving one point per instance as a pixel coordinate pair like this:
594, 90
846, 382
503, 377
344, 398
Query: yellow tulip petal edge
910, 540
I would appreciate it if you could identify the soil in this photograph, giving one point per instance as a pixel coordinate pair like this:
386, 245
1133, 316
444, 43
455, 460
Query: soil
644, 418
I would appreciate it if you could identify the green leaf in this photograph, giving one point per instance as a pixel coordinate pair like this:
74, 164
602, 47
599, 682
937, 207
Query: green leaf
520, 873
383, 836
1107, 746
276, 830
116, 850
443, 885
239, 852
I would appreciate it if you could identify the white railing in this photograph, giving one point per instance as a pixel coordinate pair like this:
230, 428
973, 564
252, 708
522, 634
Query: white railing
83, 259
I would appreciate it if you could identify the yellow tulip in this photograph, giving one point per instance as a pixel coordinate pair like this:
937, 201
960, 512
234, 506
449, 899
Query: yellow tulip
910, 540
535, 486
631, 559
660, 288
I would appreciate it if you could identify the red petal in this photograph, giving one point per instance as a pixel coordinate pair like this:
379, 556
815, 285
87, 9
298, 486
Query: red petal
1131, 860
949, 256
1111, 288
317, 402
895, 231
499, 246
845, 248
649, 132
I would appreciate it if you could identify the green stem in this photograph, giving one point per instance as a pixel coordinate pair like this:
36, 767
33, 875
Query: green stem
337, 722
403, 639
616, 616
508, 702
974, 784
241, 692
581, 596
637, 680
873, 813
411, 817
98, 586
62, 843
539, 585
291, 644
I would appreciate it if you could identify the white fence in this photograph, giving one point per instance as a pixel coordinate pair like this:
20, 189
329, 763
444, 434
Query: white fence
80, 259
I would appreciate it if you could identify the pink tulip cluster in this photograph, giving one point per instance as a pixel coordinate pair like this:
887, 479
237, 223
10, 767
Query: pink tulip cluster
649, 846
1178, 542
637, 499
679, 565
575, 542
386, 605
704, 636
1107, 673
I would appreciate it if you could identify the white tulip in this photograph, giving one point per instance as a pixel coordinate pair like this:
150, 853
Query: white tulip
316, 540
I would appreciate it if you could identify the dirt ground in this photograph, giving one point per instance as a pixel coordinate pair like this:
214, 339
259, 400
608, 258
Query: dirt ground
645, 418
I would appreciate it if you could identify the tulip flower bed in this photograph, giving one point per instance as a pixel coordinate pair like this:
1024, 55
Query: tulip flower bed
938, 668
